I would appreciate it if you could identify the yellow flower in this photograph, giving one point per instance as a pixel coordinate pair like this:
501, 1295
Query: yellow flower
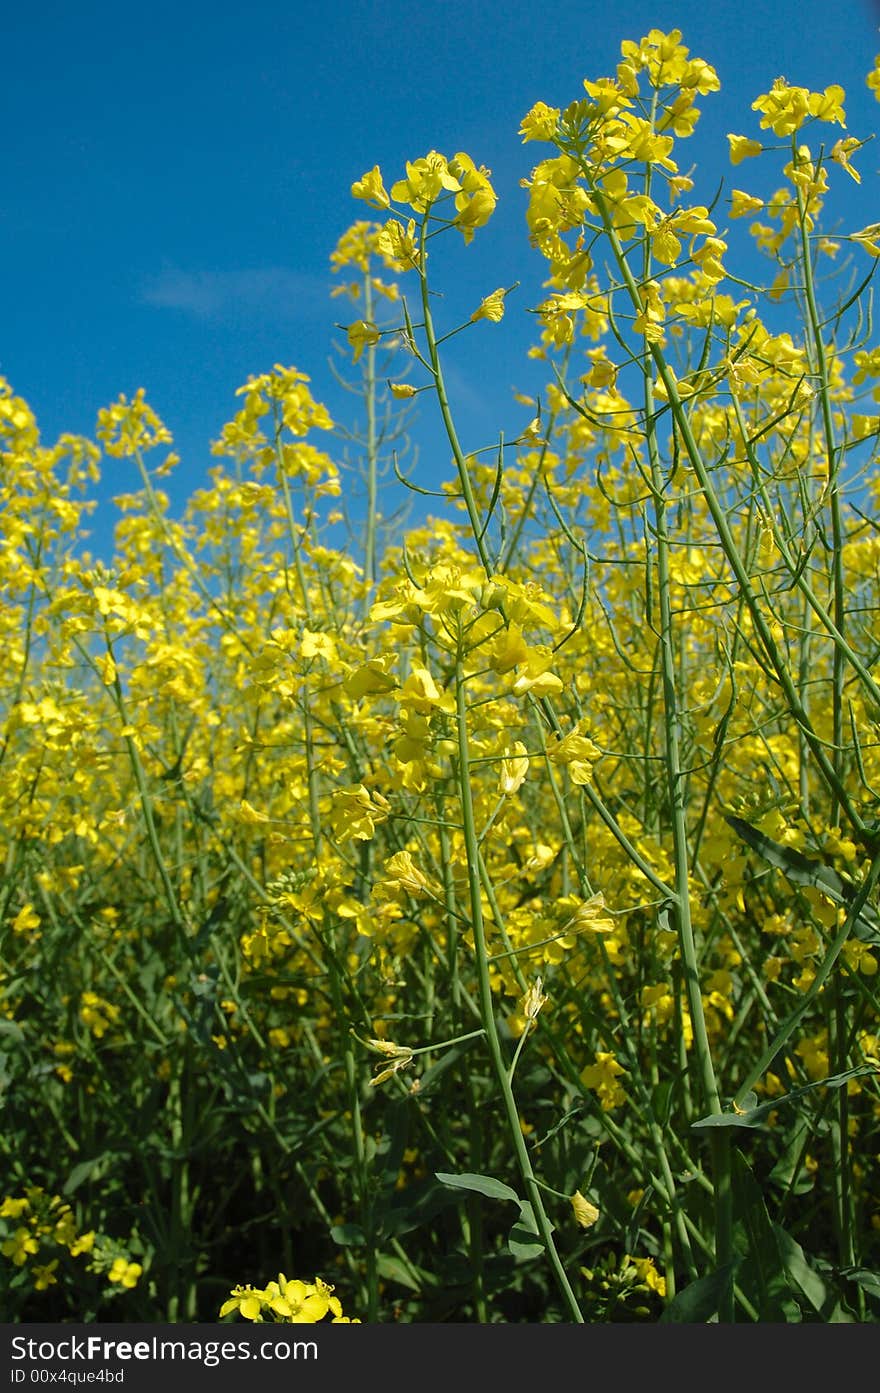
514, 768
97, 1015
784, 109
371, 189
128, 427
869, 238
535, 676
508, 650
317, 645
585, 1213
577, 752
743, 203
397, 243
45, 1276
475, 203
742, 148
245, 1300
827, 105
362, 334
602, 1078
295, 1302
421, 693
26, 919
402, 873
648, 1274
308, 1302
20, 1246
355, 812
125, 1273
492, 307
588, 916
372, 679
401, 1057
539, 123
14, 1208
426, 179
534, 1001
841, 151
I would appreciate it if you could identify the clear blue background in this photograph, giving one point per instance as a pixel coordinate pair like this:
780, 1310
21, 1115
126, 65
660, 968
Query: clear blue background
177, 174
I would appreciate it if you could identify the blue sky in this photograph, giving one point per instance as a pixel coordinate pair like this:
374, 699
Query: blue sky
176, 176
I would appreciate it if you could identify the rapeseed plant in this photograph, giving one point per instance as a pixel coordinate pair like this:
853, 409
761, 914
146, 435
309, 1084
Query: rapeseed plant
563, 803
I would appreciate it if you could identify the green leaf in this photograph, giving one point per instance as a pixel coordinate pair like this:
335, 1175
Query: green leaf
85, 1169
348, 1235
662, 1099
754, 1116
790, 1173
391, 1269
415, 1206
447, 1060
390, 1149
480, 1184
525, 1240
807, 1281
762, 1275
869, 1281
801, 870
576, 1111
701, 1300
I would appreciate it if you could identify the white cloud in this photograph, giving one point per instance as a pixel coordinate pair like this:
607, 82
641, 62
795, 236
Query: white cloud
274, 290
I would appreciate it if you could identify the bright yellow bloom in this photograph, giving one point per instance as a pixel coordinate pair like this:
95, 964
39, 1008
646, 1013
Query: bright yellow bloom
648, 1274
318, 646
841, 151
421, 693
361, 334
426, 179
743, 203
355, 812
20, 1246
14, 1208
401, 1057
514, 769
492, 307
128, 427
784, 109
475, 202
401, 873
125, 1273
245, 1300
44, 1276
585, 1213
25, 920
371, 189
742, 148
539, 123
398, 244
290, 1302
869, 238
97, 1014
602, 1078
577, 752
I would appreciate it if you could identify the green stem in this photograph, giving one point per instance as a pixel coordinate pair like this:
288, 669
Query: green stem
487, 1005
